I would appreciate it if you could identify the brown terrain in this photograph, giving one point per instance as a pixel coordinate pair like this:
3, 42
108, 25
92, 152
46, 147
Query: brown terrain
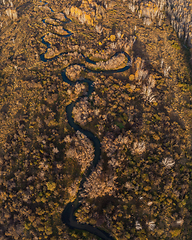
142, 186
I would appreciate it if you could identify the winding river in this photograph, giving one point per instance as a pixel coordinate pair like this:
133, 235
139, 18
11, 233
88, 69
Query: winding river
68, 216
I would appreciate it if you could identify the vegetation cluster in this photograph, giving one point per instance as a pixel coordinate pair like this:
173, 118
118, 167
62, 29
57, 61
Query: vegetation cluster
143, 118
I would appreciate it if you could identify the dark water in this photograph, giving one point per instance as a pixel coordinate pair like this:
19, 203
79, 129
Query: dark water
67, 216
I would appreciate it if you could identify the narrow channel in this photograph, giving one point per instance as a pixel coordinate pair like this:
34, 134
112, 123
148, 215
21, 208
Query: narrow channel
68, 216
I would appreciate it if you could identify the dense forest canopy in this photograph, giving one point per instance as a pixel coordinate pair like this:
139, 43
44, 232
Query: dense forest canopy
141, 188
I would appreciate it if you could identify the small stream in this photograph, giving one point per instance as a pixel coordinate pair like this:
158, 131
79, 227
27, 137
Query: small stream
68, 216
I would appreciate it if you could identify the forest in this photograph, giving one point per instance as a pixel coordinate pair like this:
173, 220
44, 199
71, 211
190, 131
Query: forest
142, 186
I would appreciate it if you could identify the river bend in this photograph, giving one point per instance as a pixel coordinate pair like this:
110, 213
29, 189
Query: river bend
68, 216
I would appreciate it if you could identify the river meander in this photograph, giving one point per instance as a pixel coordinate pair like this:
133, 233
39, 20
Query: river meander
68, 216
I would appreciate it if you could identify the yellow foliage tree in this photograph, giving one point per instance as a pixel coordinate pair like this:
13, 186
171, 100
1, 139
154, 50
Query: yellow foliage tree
112, 38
